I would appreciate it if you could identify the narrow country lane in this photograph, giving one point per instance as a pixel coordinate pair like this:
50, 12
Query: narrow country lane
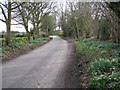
38, 69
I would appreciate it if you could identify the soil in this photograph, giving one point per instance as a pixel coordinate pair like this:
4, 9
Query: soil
75, 74
22, 50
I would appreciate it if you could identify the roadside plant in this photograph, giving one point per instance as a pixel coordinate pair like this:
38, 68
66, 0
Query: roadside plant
98, 81
103, 54
101, 65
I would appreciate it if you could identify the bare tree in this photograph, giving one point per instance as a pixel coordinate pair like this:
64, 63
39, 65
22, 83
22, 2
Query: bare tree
7, 8
22, 16
38, 11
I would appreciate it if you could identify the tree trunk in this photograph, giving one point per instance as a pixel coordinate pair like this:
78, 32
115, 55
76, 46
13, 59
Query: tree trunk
34, 31
38, 35
8, 24
37, 29
78, 35
118, 31
26, 28
98, 34
28, 35
47, 31
74, 33
119, 36
8, 33
34, 35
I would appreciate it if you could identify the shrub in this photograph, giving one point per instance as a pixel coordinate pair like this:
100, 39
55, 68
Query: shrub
104, 53
101, 65
114, 80
115, 76
98, 81
104, 67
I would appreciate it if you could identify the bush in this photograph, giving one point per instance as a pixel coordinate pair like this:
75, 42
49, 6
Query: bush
104, 58
103, 54
101, 65
98, 82
115, 76
20, 42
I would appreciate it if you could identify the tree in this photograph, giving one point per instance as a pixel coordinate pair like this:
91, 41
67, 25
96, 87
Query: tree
38, 11
48, 24
78, 16
104, 30
115, 7
98, 20
9, 7
111, 15
22, 16
67, 22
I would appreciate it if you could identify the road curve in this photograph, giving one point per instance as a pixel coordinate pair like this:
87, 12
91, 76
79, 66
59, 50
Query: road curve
38, 69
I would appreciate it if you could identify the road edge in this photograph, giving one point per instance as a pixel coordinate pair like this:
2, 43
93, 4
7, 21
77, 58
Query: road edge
26, 51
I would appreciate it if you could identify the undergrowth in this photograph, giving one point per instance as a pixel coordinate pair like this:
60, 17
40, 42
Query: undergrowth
18, 46
104, 62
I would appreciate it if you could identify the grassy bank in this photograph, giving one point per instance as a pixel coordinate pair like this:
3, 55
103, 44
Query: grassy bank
103, 63
20, 46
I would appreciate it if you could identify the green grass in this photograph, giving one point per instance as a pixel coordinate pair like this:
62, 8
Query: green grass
22, 42
15, 40
104, 66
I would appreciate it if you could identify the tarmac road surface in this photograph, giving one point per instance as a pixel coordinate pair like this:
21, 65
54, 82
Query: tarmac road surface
40, 68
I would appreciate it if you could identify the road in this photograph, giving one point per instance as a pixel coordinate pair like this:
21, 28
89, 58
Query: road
43, 67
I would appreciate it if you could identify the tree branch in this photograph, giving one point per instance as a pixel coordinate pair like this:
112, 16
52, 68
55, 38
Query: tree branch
3, 13
3, 20
4, 5
17, 24
17, 6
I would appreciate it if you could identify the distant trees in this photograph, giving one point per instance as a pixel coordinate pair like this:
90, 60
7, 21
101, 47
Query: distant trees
32, 12
91, 19
104, 30
24, 13
38, 12
48, 24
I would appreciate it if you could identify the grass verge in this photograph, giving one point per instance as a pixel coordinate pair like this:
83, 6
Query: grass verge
101, 63
16, 49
